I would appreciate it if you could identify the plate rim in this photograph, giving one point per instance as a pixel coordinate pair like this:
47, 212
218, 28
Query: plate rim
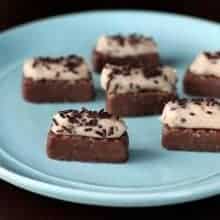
101, 198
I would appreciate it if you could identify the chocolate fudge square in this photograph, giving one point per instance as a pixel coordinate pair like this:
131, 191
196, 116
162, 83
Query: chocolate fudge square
191, 125
87, 136
121, 50
62, 79
203, 76
136, 91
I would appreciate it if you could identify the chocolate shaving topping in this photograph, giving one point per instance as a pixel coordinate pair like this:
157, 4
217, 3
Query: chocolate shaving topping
132, 39
57, 74
151, 71
116, 88
208, 101
62, 115
211, 56
92, 122
69, 62
66, 129
111, 131
125, 70
76, 117
165, 78
183, 120
131, 85
156, 81
87, 129
173, 109
104, 132
192, 113
119, 38
209, 112
55, 121
99, 133
86, 118
35, 63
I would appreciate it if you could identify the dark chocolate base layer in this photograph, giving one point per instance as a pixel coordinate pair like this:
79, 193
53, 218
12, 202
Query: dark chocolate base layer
99, 60
57, 90
191, 139
137, 104
201, 85
79, 148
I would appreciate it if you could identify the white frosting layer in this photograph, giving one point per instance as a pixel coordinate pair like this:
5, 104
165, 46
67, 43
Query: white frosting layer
114, 128
107, 45
191, 115
54, 71
202, 65
165, 82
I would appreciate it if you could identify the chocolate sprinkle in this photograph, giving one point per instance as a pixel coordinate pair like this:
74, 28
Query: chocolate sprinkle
132, 39
209, 112
192, 113
173, 109
69, 62
87, 129
208, 101
57, 74
183, 120
66, 129
92, 122
111, 131
55, 121
62, 115
99, 133
88, 118
104, 132
215, 55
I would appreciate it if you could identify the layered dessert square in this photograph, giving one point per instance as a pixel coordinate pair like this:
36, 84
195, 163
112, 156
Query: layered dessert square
87, 136
121, 50
137, 90
203, 76
62, 79
192, 125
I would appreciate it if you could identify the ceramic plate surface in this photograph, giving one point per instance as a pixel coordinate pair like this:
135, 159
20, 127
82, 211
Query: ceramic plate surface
153, 176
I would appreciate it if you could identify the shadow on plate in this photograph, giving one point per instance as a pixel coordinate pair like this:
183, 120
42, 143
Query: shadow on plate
172, 61
100, 94
140, 155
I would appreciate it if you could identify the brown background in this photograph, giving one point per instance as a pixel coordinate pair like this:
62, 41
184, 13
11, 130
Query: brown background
19, 204
14, 12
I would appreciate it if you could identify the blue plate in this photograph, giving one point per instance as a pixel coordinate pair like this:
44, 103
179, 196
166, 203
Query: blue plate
152, 176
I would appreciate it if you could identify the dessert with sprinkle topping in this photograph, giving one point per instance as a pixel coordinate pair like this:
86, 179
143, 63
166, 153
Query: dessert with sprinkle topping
61, 79
121, 50
203, 76
191, 125
137, 89
87, 136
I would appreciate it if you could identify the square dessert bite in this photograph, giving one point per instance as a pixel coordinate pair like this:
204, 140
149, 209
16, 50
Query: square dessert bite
62, 79
120, 50
87, 136
191, 125
203, 76
137, 90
